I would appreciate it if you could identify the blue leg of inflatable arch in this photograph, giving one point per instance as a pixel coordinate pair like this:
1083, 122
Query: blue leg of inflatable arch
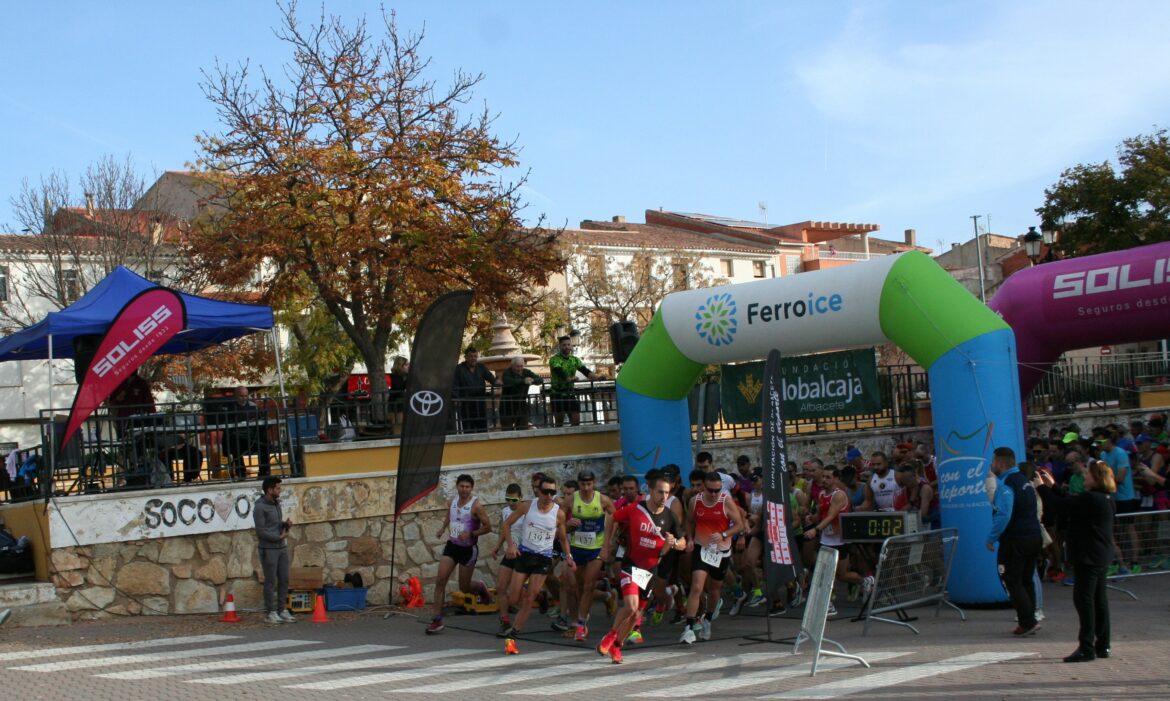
655, 432
967, 386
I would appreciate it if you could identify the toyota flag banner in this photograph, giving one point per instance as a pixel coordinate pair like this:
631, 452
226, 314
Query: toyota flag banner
782, 556
428, 397
143, 326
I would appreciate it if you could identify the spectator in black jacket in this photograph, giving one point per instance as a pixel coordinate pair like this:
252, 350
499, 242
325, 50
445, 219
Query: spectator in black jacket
514, 397
472, 382
1090, 551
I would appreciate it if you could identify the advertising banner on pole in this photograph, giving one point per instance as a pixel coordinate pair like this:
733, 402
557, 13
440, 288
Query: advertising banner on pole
782, 555
843, 383
144, 325
428, 397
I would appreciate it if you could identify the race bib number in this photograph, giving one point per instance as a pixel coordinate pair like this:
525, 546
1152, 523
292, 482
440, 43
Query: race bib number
582, 539
711, 556
640, 576
456, 530
538, 539
621, 551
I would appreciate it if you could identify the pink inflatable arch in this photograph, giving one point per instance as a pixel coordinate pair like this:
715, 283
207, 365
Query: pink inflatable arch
1118, 297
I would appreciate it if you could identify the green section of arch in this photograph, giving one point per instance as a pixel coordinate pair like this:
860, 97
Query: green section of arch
657, 368
926, 312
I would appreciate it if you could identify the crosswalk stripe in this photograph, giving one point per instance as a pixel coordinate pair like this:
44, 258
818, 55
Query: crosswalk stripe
714, 686
512, 676
248, 662
371, 663
113, 660
114, 647
388, 677
869, 682
675, 671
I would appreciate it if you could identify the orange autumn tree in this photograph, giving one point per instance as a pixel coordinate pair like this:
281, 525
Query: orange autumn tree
351, 181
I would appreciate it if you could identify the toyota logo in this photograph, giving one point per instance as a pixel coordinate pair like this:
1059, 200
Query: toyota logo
426, 403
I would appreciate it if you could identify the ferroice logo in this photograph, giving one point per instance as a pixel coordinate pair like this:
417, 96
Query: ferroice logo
716, 319
426, 403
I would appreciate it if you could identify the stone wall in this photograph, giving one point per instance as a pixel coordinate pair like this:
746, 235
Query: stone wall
343, 525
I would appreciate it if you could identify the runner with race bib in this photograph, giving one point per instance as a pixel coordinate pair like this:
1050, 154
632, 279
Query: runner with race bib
653, 530
713, 520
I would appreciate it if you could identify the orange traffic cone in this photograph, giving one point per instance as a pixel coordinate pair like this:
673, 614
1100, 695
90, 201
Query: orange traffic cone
229, 611
416, 595
319, 611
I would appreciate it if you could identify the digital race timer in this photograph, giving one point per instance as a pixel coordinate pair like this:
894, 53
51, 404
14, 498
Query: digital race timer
863, 526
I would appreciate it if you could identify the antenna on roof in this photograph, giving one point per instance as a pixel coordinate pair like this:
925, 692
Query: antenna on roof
763, 210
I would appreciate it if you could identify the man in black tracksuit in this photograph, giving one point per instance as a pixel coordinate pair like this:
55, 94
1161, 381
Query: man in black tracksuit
1015, 525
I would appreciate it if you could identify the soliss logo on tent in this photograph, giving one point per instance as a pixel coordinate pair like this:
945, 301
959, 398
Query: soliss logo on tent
716, 319
426, 403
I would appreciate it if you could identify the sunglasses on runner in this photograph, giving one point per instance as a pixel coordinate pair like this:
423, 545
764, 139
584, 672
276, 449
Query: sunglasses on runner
511, 500
714, 491
549, 492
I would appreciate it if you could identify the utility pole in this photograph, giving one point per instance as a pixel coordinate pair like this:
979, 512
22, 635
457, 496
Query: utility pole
979, 255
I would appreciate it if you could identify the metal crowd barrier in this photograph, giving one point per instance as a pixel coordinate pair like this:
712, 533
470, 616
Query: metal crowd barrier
912, 570
1142, 541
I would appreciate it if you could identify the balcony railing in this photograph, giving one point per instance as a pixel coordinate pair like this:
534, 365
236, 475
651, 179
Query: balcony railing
219, 441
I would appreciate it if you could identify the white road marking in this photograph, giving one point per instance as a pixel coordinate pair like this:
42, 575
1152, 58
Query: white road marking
113, 647
675, 672
114, 660
457, 668
893, 677
512, 676
248, 662
372, 663
764, 676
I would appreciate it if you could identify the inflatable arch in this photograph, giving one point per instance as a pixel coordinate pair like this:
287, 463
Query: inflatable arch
968, 352
1116, 297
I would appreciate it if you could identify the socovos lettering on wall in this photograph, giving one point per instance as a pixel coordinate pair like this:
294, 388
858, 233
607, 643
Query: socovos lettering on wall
186, 512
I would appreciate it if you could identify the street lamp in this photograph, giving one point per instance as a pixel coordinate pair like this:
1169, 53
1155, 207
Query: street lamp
1033, 240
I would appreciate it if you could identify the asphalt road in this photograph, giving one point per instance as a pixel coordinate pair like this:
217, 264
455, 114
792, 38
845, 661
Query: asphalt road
370, 655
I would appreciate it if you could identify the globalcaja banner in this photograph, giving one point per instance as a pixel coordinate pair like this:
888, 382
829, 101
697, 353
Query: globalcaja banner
842, 383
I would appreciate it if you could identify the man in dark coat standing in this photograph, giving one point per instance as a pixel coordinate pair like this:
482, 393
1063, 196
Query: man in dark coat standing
1015, 525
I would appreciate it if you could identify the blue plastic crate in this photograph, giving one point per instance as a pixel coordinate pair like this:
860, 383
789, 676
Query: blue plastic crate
345, 599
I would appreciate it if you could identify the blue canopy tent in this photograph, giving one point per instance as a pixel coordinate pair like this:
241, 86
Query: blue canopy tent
209, 322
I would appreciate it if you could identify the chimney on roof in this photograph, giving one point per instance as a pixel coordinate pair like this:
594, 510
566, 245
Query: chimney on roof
954, 246
911, 237
89, 208
619, 219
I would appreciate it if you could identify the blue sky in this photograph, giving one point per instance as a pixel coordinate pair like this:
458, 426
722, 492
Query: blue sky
902, 114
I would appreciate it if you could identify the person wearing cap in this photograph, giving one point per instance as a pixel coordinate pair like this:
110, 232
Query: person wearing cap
564, 367
589, 512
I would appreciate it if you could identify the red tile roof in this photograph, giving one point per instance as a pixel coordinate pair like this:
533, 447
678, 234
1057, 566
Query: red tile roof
631, 235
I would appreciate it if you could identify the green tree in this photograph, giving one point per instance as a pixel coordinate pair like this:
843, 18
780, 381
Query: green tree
1098, 207
352, 181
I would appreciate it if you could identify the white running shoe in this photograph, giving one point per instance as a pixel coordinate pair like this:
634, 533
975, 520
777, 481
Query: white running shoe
832, 610
274, 618
867, 585
739, 602
705, 629
287, 617
688, 636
